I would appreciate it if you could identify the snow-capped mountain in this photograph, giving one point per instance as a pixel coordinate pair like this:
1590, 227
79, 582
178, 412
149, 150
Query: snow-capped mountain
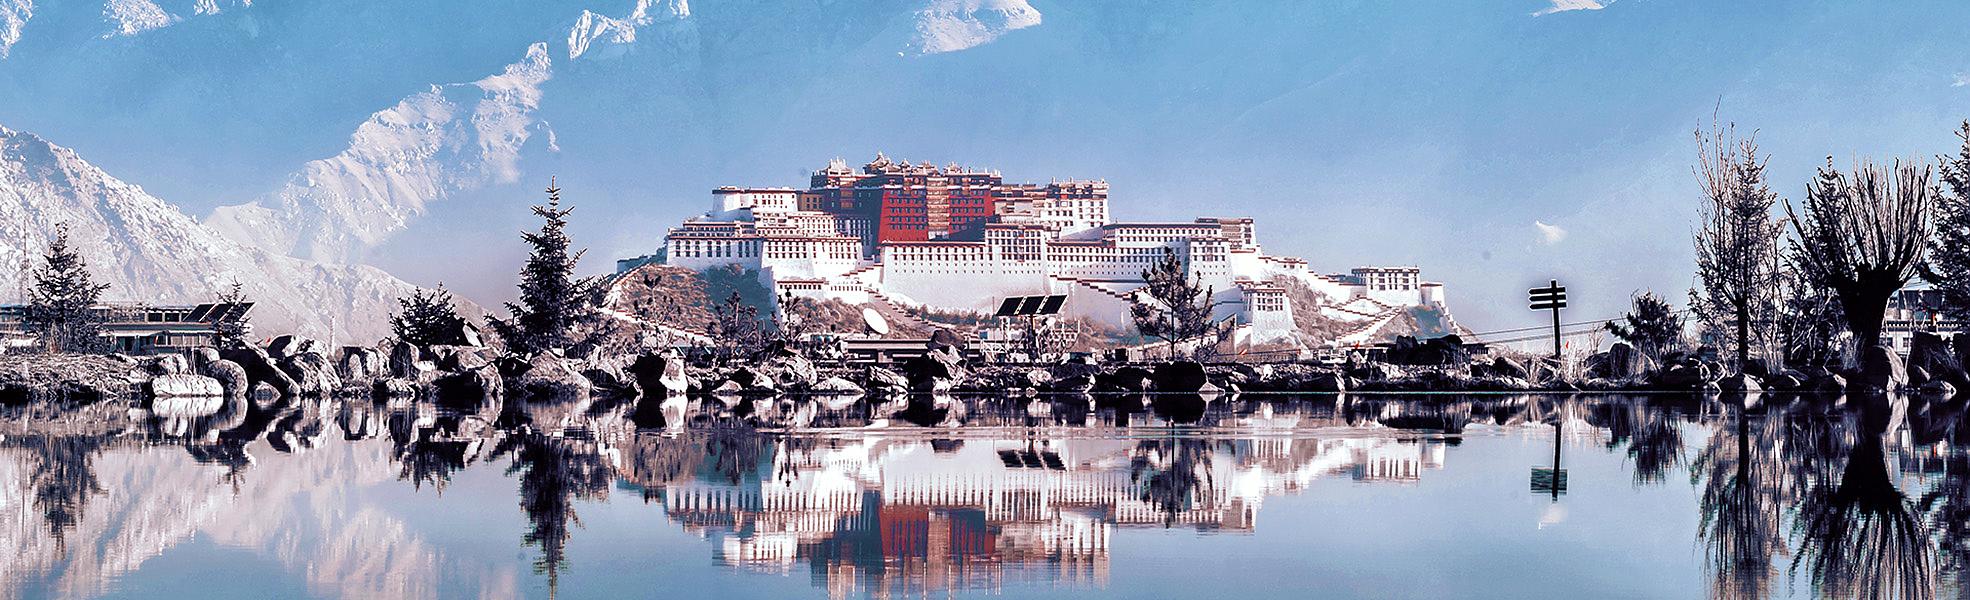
953, 25
13, 16
147, 250
431, 145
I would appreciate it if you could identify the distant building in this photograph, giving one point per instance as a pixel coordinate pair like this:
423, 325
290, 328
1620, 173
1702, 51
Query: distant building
1915, 309
139, 328
957, 238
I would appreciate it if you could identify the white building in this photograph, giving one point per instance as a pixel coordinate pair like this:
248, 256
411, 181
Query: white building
1053, 239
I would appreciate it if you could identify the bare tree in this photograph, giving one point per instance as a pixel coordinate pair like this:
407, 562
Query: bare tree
1737, 245
1865, 236
1177, 307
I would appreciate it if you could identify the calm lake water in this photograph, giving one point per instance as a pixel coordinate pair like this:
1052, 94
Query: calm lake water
1246, 497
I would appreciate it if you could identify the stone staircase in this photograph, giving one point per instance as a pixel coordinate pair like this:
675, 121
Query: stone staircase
1362, 334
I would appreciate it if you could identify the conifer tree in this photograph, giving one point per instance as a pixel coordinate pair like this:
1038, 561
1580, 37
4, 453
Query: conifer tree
230, 333
1178, 307
428, 318
1737, 246
61, 301
1949, 249
1651, 326
552, 301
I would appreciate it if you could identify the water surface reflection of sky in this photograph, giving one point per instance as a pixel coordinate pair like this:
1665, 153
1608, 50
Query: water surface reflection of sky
1253, 496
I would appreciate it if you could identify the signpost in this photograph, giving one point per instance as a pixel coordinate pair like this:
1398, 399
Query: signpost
1551, 297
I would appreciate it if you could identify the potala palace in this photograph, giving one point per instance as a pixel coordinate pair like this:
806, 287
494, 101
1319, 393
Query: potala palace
957, 238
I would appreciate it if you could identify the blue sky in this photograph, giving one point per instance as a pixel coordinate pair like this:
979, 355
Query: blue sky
1438, 134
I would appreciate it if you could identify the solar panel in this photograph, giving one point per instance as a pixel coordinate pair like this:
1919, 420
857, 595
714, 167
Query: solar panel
1008, 307
1030, 305
1053, 304
199, 312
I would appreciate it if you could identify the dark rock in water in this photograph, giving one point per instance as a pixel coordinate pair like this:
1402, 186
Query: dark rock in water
1076, 384
878, 379
753, 379
294, 345
204, 355
548, 376
405, 359
312, 372
260, 368
264, 393
361, 364
1377, 371
1325, 381
935, 371
469, 390
1881, 370
167, 364
1128, 379
1740, 384
1446, 350
836, 385
180, 384
1785, 382
660, 375
231, 377
393, 388
1681, 377
458, 358
1621, 361
1933, 355
792, 370
1180, 377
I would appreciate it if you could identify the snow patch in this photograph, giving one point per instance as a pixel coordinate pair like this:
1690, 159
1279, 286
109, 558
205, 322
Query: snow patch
131, 17
13, 16
1560, 6
953, 25
600, 36
446, 139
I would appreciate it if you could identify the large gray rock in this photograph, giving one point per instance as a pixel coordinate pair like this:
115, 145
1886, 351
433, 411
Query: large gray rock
167, 364
792, 370
1740, 384
935, 371
181, 384
468, 390
835, 385
659, 375
312, 373
1881, 370
294, 345
362, 364
550, 377
231, 377
458, 358
1505, 366
753, 379
1181, 376
204, 355
885, 380
260, 368
409, 362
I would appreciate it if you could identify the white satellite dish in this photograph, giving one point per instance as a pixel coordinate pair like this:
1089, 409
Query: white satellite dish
874, 321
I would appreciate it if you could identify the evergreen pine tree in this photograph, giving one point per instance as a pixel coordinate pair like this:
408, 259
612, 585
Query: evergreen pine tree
1949, 248
61, 301
1178, 308
428, 318
552, 301
231, 333
1651, 326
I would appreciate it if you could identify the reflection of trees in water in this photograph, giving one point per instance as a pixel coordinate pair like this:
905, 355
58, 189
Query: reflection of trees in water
63, 479
1744, 496
554, 472
1171, 473
1654, 442
1860, 536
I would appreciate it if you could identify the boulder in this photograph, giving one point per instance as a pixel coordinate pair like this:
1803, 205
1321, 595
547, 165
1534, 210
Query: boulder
548, 376
1183, 376
404, 359
659, 375
792, 369
167, 364
1505, 366
468, 335
231, 377
312, 372
1128, 379
1740, 384
1881, 370
393, 388
264, 392
361, 364
885, 380
204, 355
1325, 381
1936, 358
934, 371
294, 345
1624, 361
458, 359
1038, 378
1938, 389
753, 379
468, 390
182, 384
1681, 376
835, 385
260, 368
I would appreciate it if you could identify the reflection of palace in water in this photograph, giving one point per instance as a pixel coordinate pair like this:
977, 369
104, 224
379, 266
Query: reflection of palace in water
912, 515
